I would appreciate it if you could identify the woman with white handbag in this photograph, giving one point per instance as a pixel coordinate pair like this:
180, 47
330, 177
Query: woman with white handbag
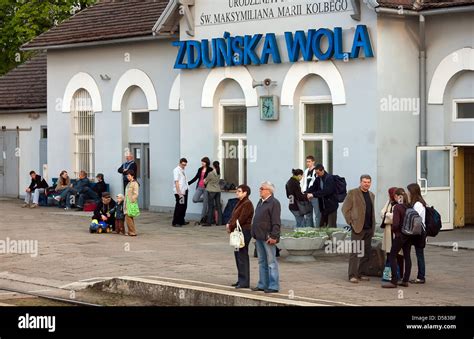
241, 219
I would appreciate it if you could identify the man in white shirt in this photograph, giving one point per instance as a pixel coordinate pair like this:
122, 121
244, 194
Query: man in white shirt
309, 177
180, 190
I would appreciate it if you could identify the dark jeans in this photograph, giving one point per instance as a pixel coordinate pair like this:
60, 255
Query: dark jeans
359, 266
404, 243
400, 263
420, 259
180, 209
328, 220
86, 193
242, 261
214, 201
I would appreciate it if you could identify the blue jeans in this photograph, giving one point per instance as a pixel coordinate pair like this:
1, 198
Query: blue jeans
420, 259
300, 219
269, 278
317, 214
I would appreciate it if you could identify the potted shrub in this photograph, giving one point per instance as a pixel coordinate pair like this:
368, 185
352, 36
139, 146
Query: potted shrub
302, 242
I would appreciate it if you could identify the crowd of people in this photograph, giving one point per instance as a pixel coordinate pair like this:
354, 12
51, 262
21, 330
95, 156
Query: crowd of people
312, 201
76, 193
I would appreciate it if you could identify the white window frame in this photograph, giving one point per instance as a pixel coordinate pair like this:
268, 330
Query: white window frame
455, 109
76, 137
239, 137
130, 113
324, 137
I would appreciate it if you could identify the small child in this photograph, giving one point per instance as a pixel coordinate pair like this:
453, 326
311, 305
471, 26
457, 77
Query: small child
119, 215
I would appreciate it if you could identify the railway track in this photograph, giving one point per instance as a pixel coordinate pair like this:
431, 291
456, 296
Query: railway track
50, 298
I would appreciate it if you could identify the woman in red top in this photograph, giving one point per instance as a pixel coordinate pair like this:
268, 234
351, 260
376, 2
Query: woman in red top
400, 240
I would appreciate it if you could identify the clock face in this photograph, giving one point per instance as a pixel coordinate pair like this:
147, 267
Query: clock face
269, 107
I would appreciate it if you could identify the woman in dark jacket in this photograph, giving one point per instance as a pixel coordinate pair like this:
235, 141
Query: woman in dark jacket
201, 195
400, 240
295, 196
243, 212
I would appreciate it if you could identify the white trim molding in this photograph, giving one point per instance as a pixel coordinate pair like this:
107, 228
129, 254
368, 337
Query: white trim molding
460, 60
239, 74
85, 81
325, 69
455, 117
134, 77
175, 94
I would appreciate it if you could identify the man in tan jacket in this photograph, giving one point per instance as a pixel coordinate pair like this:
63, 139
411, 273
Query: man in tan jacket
359, 212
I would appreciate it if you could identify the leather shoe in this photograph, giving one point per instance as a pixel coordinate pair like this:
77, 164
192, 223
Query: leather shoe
238, 286
235, 284
186, 223
177, 225
256, 289
271, 291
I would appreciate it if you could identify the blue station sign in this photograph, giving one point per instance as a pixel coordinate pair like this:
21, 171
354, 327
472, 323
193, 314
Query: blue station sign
242, 50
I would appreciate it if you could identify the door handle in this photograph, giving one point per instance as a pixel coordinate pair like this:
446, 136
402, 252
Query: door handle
426, 185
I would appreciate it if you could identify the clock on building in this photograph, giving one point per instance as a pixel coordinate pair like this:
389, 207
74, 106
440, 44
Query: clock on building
269, 107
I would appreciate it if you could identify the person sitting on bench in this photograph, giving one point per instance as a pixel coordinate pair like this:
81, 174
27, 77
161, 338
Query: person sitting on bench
37, 187
81, 187
62, 188
100, 185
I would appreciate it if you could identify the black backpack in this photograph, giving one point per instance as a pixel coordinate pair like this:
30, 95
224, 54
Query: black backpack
432, 222
412, 223
341, 187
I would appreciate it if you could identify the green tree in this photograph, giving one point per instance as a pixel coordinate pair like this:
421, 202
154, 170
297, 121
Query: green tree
22, 20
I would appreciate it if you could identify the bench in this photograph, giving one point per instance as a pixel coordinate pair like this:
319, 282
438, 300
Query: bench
45, 200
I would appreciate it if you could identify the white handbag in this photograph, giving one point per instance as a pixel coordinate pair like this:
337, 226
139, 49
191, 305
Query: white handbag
237, 237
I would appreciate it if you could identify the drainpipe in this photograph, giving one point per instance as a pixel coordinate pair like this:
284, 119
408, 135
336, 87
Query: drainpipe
422, 138
422, 84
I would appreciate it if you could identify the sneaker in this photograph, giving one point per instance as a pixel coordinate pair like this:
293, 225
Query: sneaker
403, 283
25, 205
67, 208
271, 291
354, 280
364, 278
34, 206
57, 198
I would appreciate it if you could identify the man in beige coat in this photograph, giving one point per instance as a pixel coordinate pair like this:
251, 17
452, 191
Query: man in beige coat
359, 212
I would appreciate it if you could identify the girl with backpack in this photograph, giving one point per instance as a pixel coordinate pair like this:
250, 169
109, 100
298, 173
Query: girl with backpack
400, 240
419, 241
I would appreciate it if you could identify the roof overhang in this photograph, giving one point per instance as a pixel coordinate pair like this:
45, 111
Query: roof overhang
168, 22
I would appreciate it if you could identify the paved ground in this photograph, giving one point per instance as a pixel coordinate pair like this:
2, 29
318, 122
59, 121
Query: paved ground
68, 253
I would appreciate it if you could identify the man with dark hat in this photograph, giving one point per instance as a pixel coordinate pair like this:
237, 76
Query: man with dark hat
105, 210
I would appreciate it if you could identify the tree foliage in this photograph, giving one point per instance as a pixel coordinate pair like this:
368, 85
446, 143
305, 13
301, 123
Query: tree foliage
22, 20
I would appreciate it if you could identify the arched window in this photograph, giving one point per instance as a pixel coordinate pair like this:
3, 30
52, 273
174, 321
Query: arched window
83, 129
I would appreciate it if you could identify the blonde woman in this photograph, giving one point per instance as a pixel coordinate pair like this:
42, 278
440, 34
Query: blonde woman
131, 197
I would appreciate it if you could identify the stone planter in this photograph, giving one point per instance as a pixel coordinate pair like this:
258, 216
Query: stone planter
339, 236
302, 249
